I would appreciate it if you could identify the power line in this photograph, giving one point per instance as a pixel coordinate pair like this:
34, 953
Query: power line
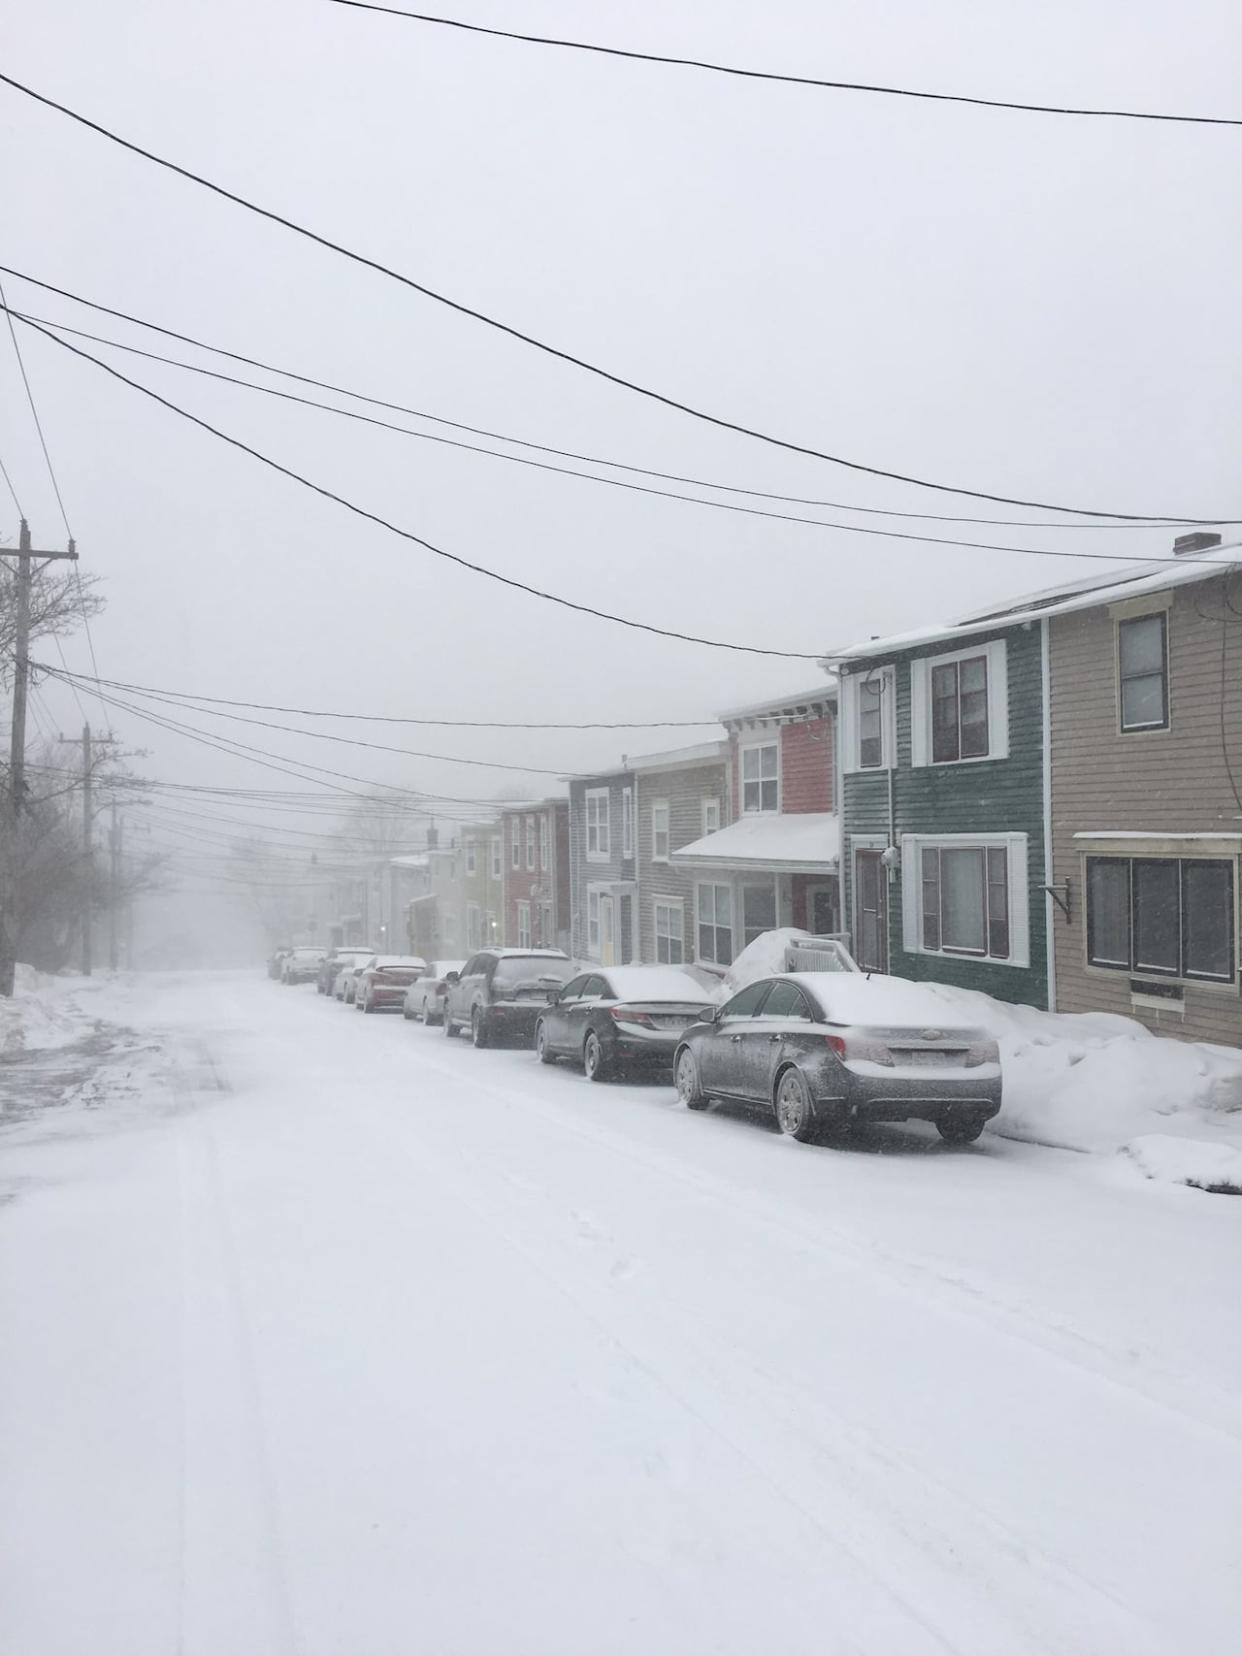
553, 350
524, 442
790, 80
609, 482
406, 534
8, 481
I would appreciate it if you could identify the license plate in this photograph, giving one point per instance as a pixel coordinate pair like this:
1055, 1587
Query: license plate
931, 1059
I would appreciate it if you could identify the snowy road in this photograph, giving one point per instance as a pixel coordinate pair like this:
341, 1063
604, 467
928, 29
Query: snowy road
323, 1333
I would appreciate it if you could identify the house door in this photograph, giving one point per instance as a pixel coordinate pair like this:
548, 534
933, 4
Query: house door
821, 909
607, 931
870, 911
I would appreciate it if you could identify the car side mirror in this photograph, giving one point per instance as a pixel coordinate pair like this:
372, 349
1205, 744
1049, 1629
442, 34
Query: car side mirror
711, 1015
554, 995
452, 977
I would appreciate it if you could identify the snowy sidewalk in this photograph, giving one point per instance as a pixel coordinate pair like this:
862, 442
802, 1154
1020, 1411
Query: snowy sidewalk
348, 1338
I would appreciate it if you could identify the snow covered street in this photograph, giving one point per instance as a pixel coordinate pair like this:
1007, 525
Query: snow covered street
325, 1334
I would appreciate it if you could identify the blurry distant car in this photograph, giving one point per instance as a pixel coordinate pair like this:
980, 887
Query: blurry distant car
499, 993
275, 961
620, 1017
424, 999
336, 960
346, 981
383, 981
825, 1050
301, 965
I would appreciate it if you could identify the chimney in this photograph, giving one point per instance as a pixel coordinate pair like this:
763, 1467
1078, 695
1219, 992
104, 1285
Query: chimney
433, 837
1201, 541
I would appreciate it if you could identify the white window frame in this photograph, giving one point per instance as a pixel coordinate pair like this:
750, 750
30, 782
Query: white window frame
709, 809
715, 885
759, 747
498, 856
530, 845
1016, 847
594, 893
523, 925
851, 720
674, 909
515, 843
543, 844
472, 859
627, 822
660, 808
598, 830
997, 655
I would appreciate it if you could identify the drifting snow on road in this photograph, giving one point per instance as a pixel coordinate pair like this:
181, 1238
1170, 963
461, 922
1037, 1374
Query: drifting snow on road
327, 1334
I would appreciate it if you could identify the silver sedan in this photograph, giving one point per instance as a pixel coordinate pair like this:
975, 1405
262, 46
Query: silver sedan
825, 1050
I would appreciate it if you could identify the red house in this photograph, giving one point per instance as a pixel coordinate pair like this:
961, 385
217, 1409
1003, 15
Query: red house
535, 858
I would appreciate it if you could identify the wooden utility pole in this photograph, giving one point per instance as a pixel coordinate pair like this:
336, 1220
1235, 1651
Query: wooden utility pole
13, 804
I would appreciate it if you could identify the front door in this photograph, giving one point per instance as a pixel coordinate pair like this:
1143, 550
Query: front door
607, 931
821, 909
870, 911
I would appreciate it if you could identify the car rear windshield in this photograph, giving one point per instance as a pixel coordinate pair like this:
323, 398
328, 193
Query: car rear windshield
516, 969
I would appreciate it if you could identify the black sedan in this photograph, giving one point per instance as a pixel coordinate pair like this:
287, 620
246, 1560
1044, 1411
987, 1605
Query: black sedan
620, 1017
825, 1050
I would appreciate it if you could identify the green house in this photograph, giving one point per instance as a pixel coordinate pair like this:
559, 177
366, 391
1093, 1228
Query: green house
943, 784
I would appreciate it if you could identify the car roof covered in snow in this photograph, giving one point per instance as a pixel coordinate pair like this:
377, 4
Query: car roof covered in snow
400, 960
655, 983
526, 954
854, 998
439, 967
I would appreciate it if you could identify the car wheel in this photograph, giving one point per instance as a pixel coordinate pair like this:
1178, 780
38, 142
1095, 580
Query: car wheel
686, 1075
960, 1129
546, 1055
478, 1027
595, 1059
794, 1111
450, 1028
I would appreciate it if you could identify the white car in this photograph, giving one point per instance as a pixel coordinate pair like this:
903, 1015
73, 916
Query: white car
424, 999
347, 978
301, 965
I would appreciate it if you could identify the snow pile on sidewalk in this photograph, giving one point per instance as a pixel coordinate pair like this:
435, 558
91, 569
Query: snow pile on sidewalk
765, 957
1092, 1081
43, 1012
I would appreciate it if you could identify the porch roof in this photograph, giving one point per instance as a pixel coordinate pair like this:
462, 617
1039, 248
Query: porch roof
798, 843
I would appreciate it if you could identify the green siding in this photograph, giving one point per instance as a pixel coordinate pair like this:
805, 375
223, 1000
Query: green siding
987, 796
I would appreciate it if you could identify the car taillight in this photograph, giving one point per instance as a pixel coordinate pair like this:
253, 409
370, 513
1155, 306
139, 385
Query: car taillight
837, 1043
624, 1014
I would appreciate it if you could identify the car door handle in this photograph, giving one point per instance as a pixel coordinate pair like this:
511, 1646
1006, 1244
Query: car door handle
735, 1037
774, 1037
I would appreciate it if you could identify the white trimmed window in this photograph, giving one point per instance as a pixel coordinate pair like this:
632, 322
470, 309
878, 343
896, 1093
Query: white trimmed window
627, 822
598, 826
472, 861
959, 706
761, 778
515, 843
1143, 672
670, 931
523, 920
497, 853
965, 896
593, 924
543, 843
715, 923
1163, 916
530, 844
869, 719
659, 830
709, 816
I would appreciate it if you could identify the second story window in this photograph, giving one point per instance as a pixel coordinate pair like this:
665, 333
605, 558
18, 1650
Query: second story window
543, 843
761, 773
627, 822
959, 695
515, 843
659, 830
496, 856
598, 828
1143, 672
472, 863
871, 724
710, 815
530, 844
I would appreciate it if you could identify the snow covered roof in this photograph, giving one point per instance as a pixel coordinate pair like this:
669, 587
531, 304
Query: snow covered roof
655, 983
851, 998
702, 753
1132, 582
825, 690
418, 859
807, 842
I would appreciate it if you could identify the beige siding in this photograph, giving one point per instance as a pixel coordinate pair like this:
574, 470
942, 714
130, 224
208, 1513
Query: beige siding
1172, 781
684, 790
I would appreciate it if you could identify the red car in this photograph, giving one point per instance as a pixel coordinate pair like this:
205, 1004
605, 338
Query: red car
383, 981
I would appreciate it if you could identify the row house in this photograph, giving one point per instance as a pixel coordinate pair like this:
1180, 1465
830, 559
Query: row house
679, 797
603, 868
772, 857
534, 846
1043, 801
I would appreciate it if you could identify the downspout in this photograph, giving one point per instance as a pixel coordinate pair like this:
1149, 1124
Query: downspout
1050, 938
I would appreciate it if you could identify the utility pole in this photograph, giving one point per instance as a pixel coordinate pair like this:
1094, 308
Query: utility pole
12, 810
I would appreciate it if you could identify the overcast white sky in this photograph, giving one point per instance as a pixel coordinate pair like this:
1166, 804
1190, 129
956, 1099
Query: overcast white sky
1034, 306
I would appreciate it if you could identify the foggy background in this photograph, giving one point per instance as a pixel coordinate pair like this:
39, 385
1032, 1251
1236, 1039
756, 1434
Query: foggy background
1029, 305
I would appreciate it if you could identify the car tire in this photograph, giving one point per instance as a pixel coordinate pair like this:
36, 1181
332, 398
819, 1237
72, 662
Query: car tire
795, 1112
960, 1129
686, 1078
478, 1028
450, 1028
546, 1055
595, 1061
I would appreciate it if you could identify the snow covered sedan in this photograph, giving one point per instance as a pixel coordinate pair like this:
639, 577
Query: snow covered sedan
275, 961
347, 978
336, 962
383, 981
301, 965
620, 1017
424, 999
825, 1050
499, 993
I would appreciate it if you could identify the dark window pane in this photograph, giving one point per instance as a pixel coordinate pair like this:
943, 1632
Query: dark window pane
931, 898
998, 902
1108, 912
870, 743
1157, 916
785, 1001
944, 713
1143, 664
746, 1002
963, 901
1207, 908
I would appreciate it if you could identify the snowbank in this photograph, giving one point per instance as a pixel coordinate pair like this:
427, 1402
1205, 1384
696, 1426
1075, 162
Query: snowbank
1199, 1162
762, 958
43, 1012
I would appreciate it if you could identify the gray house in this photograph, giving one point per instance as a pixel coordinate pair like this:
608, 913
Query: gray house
603, 868
681, 796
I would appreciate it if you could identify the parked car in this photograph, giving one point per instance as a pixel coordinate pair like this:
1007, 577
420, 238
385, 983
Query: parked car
383, 980
620, 1017
424, 999
826, 1050
276, 960
336, 960
499, 993
301, 965
347, 979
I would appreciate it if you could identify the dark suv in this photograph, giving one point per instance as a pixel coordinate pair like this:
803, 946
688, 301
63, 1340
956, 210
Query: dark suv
499, 993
